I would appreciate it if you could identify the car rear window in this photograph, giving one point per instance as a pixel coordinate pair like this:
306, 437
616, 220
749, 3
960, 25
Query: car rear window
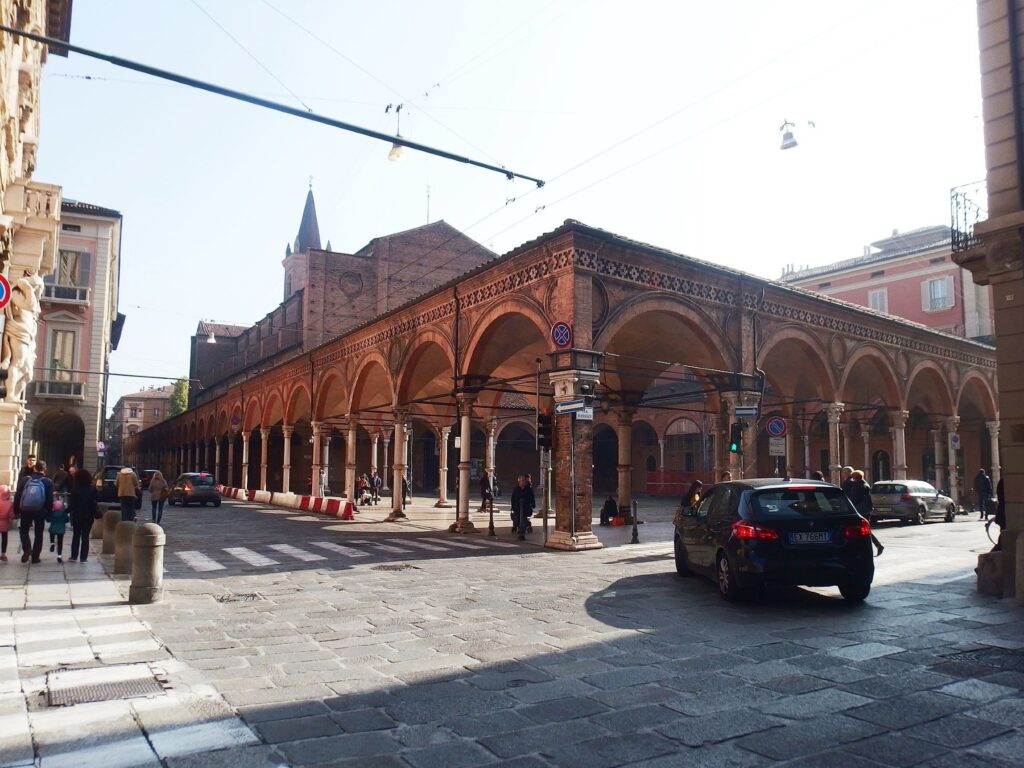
800, 503
110, 473
201, 480
888, 488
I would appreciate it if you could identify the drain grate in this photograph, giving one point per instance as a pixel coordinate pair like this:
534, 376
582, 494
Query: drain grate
994, 657
392, 567
65, 687
240, 597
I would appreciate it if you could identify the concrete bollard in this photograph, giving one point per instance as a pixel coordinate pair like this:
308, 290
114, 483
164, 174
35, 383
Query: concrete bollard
96, 532
123, 535
147, 564
110, 520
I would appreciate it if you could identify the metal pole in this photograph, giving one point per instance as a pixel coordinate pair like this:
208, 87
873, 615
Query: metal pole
572, 478
546, 493
490, 518
522, 520
636, 534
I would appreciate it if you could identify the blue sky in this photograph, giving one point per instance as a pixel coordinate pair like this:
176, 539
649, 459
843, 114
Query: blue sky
656, 120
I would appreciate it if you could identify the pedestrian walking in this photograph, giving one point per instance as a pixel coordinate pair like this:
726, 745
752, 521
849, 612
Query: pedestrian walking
982, 493
33, 503
84, 509
58, 520
158, 492
860, 496
845, 478
127, 487
377, 482
486, 491
609, 510
406, 496
6, 518
60, 479
818, 475
726, 476
523, 503
28, 467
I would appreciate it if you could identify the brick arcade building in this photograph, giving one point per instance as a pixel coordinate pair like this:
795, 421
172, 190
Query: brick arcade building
673, 344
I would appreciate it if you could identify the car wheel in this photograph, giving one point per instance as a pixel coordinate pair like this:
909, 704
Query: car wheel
950, 514
856, 592
216, 503
727, 586
921, 516
682, 562
202, 503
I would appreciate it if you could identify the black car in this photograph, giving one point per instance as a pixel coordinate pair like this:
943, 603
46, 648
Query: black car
754, 533
106, 485
194, 488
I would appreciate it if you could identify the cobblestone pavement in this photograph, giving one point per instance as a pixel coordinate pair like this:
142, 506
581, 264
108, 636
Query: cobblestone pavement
297, 640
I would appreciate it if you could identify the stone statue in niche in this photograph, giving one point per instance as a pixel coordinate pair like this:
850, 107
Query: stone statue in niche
18, 350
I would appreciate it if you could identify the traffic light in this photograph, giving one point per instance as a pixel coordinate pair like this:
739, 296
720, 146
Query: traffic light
543, 431
736, 438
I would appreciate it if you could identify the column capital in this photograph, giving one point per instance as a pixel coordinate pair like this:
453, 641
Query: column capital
400, 415
318, 427
624, 416
264, 432
899, 418
353, 421
287, 431
466, 398
835, 410
952, 423
993, 428
445, 432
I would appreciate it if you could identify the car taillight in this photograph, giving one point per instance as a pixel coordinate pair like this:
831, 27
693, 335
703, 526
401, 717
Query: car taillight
753, 532
906, 497
859, 531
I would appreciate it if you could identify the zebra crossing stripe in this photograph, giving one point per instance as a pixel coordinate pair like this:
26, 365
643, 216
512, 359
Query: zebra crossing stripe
197, 561
247, 555
346, 551
383, 547
298, 554
458, 543
423, 545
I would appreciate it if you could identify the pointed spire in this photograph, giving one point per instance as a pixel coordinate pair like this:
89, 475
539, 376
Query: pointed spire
328, 246
309, 230
287, 250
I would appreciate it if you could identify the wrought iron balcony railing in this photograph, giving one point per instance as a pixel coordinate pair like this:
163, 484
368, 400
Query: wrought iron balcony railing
968, 205
74, 390
73, 294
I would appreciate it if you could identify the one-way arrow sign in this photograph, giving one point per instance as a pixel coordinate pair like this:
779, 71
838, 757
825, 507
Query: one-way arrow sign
569, 406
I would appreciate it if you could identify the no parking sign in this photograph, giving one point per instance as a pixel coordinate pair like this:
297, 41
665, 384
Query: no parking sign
5, 292
775, 427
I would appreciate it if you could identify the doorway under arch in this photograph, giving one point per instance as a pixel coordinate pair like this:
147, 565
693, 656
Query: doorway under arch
59, 438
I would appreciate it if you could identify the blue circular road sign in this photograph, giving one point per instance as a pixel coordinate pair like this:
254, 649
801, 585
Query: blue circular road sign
776, 426
561, 334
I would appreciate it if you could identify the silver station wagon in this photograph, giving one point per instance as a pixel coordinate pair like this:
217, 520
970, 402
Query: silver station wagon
911, 501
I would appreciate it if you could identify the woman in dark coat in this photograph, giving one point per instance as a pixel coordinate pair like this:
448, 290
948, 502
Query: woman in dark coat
859, 495
84, 509
693, 496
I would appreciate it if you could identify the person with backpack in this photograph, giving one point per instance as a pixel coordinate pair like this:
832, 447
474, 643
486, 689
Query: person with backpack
58, 520
33, 503
84, 510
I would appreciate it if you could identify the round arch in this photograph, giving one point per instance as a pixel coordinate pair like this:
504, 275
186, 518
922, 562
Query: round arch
372, 385
868, 375
507, 340
796, 365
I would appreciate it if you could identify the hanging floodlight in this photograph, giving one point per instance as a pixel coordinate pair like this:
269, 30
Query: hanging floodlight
396, 152
788, 140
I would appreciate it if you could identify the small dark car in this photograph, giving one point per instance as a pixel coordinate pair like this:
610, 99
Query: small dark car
764, 532
194, 487
910, 501
147, 475
106, 485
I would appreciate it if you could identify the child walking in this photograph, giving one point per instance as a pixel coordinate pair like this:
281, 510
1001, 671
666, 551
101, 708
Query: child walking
58, 524
6, 516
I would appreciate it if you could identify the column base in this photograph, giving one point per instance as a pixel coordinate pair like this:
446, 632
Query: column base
443, 503
564, 541
396, 515
462, 526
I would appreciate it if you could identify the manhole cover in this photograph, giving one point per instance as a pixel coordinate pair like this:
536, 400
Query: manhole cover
65, 687
240, 597
392, 567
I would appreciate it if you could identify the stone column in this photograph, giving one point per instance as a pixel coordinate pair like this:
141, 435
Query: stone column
835, 412
217, 474
993, 436
492, 444
807, 453
952, 424
624, 432
865, 435
899, 444
846, 430
940, 458
714, 425
384, 469
463, 524
231, 460
790, 466
373, 453
442, 490
264, 445
661, 454
245, 459
286, 460
398, 465
317, 455
350, 459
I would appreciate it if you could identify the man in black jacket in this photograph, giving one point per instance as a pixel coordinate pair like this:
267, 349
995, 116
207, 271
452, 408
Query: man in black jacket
982, 493
33, 518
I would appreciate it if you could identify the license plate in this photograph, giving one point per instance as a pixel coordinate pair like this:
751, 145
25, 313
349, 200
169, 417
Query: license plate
813, 537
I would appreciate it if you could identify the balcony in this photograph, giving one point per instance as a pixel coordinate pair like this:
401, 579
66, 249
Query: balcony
66, 294
64, 390
968, 206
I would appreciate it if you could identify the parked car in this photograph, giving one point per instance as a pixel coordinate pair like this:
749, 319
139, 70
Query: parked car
106, 485
754, 533
147, 475
911, 501
194, 487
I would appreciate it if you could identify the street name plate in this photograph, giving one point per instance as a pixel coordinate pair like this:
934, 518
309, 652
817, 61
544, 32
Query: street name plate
776, 446
585, 414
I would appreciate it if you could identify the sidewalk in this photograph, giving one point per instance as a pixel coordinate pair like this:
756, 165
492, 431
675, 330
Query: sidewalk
67, 634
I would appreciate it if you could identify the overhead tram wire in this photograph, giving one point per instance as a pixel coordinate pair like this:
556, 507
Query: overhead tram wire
240, 96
